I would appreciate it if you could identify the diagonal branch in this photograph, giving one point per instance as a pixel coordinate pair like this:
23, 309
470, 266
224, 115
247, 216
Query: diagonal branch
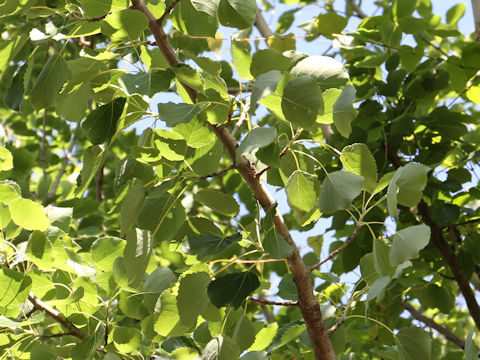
359, 12
476, 18
434, 325
56, 315
168, 10
306, 299
336, 251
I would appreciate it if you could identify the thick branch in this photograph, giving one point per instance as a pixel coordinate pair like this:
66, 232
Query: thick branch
336, 251
476, 18
306, 299
434, 325
57, 316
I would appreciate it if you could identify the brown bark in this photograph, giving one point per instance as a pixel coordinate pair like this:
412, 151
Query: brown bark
306, 299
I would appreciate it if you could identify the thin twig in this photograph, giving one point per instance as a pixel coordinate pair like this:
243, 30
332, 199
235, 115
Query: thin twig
168, 10
434, 325
219, 172
472, 221
338, 250
268, 302
424, 38
337, 325
55, 335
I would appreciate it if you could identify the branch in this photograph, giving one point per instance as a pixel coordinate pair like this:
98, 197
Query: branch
434, 325
217, 173
357, 9
476, 18
268, 302
337, 325
57, 316
307, 302
168, 10
337, 251
472, 221
262, 25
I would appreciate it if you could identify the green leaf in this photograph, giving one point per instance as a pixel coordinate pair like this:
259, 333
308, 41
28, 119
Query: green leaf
408, 242
330, 96
264, 85
188, 76
28, 214
377, 290
6, 159
413, 343
15, 288
412, 25
94, 8
72, 103
163, 216
330, 23
105, 250
217, 201
195, 133
15, 93
174, 114
274, 243
4, 215
343, 112
403, 8
327, 71
101, 124
125, 25
221, 348
455, 13
131, 207
406, 186
242, 59
267, 60
232, 288
126, 339
302, 190
302, 101
192, 298
49, 83
137, 255
287, 289
471, 349
381, 252
196, 17
155, 284
204, 245
244, 333
264, 337
92, 160
338, 191
239, 14
358, 159
168, 321
86, 348
256, 139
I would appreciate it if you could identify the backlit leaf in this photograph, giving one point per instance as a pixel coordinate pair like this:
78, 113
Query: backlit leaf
28, 214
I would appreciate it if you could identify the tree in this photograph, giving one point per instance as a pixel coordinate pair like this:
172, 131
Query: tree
165, 244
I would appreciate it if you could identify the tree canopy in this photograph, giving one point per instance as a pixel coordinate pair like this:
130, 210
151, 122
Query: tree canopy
168, 241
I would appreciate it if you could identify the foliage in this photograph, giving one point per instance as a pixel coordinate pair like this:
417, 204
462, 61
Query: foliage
164, 242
